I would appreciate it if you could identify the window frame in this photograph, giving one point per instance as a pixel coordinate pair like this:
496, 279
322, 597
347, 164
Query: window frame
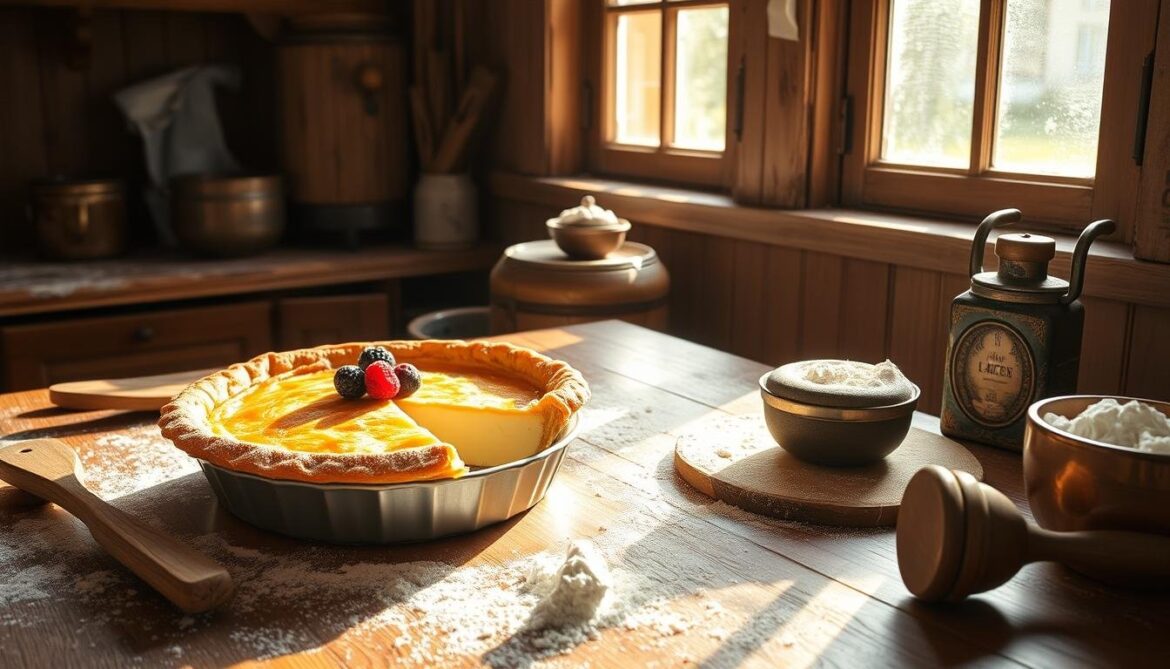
1066, 203
662, 163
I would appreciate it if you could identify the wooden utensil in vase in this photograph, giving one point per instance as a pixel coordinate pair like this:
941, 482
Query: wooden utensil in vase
49, 469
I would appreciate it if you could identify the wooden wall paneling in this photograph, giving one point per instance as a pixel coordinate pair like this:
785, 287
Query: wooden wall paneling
312, 321
144, 44
820, 318
865, 295
564, 134
782, 305
749, 306
717, 291
22, 154
751, 49
1148, 370
916, 332
112, 150
1104, 346
1152, 220
186, 40
786, 133
63, 93
686, 278
516, 46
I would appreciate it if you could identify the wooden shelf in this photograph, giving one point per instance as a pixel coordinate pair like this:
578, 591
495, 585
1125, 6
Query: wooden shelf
41, 287
241, 6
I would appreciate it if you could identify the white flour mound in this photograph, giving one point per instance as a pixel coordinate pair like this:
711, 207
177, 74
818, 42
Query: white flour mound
1135, 425
573, 593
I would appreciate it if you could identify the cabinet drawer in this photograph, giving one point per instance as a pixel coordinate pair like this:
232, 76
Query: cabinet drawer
157, 342
335, 319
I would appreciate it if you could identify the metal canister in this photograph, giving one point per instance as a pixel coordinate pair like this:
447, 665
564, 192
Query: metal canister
1015, 335
535, 285
228, 215
78, 219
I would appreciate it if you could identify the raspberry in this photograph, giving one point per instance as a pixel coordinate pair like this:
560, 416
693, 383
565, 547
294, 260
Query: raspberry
409, 379
350, 382
381, 382
373, 353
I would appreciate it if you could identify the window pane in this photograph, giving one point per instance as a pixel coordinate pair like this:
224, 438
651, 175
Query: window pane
700, 79
1050, 87
930, 82
637, 79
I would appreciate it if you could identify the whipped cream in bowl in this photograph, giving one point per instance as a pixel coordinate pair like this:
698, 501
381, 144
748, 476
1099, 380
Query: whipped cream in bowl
588, 213
588, 231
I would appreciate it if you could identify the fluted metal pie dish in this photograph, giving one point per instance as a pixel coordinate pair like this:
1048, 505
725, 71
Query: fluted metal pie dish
393, 512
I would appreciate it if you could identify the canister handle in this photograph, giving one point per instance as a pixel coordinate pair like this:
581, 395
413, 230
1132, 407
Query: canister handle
1076, 280
996, 219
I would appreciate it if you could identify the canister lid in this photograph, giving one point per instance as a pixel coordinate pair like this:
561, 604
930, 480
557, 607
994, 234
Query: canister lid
1025, 247
546, 255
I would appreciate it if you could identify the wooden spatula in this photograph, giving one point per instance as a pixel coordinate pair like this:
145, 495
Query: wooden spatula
48, 469
139, 393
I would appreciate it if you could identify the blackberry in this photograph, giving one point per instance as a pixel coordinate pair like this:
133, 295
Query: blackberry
350, 382
409, 379
372, 353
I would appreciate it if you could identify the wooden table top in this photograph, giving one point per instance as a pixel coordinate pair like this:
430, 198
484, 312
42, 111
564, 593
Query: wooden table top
697, 581
42, 287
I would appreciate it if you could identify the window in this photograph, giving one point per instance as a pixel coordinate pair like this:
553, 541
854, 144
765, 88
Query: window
664, 90
966, 106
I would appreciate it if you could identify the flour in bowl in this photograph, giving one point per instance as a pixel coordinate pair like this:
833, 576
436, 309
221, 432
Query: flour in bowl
1135, 425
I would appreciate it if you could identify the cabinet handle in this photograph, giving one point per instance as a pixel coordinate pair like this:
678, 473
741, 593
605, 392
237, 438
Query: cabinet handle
144, 334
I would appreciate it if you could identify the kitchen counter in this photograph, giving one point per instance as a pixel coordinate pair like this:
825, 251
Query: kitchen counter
43, 287
696, 581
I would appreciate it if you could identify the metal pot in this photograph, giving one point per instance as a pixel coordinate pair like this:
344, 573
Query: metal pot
79, 219
228, 215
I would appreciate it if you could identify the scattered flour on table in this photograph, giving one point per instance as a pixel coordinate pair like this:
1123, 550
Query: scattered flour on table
144, 459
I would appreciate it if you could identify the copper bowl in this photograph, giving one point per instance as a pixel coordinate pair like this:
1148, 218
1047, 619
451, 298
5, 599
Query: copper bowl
588, 242
1074, 483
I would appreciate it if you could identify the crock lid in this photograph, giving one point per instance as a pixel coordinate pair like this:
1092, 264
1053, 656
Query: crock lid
791, 382
546, 255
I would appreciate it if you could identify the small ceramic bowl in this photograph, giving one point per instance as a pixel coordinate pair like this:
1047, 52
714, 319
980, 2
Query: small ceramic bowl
588, 242
1074, 483
837, 436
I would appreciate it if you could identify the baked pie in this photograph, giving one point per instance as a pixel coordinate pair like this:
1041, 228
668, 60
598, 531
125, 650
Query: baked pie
279, 415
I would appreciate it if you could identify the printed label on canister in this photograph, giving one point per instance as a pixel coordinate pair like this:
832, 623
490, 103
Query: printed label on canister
993, 375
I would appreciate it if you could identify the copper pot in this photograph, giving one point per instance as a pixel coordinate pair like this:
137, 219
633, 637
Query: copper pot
228, 215
1074, 483
79, 219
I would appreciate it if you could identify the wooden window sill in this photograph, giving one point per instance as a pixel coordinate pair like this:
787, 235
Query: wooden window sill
934, 245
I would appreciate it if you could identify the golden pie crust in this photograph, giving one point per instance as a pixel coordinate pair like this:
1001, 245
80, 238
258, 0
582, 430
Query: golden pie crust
186, 420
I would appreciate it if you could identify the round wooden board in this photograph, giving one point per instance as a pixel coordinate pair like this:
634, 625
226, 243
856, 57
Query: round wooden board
736, 461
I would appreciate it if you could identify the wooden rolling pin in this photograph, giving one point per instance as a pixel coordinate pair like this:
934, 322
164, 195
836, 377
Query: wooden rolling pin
957, 537
48, 469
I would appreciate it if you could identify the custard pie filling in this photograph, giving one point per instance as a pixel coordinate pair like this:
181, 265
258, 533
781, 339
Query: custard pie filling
281, 415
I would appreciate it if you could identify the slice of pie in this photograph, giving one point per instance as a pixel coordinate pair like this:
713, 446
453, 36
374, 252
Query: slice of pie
279, 416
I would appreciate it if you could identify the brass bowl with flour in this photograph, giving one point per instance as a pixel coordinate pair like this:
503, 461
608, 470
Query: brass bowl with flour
821, 419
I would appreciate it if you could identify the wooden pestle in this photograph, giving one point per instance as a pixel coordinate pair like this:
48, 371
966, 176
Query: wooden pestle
48, 469
957, 537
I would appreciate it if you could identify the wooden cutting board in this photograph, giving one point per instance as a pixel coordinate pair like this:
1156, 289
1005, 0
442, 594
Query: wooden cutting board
139, 393
735, 460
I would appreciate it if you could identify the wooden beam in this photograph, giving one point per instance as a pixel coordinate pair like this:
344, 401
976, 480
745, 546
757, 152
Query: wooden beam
1152, 223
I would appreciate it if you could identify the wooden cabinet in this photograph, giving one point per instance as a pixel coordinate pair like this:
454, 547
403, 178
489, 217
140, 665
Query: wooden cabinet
156, 342
312, 321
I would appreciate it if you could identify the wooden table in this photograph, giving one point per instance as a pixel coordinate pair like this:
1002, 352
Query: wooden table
729, 588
